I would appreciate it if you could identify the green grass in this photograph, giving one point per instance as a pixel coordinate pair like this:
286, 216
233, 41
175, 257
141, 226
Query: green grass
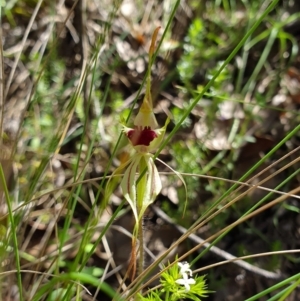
69, 102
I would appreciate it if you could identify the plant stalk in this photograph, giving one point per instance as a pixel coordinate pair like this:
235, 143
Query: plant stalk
141, 190
141, 261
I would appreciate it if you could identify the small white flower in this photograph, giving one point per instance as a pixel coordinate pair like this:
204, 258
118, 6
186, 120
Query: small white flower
186, 281
184, 271
184, 268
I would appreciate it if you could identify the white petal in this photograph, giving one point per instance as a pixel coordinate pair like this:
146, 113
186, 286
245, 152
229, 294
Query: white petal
128, 184
180, 281
185, 268
191, 281
186, 283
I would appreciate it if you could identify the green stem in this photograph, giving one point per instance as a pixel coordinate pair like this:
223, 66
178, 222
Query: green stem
141, 246
141, 250
274, 287
141, 190
13, 228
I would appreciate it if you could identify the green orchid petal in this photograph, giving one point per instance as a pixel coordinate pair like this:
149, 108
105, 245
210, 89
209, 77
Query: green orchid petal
153, 185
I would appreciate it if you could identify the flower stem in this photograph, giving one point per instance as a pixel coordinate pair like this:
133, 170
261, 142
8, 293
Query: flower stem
141, 246
141, 190
140, 250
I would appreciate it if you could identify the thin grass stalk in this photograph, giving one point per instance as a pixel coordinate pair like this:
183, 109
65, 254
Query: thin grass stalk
19, 53
215, 237
85, 237
57, 138
290, 290
249, 87
278, 295
1, 84
72, 205
13, 231
87, 224
242, 258
275, 287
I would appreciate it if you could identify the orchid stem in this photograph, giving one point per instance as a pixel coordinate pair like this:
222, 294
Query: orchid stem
141, 191
141, 246
141, 251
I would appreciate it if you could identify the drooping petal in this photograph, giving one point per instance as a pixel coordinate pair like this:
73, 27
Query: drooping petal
128, 184
110, 186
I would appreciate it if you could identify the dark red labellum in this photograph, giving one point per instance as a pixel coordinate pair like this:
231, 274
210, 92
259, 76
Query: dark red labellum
140, 136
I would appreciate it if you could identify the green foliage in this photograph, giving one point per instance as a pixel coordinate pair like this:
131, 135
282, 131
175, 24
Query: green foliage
172, 291
193, 44
188, 158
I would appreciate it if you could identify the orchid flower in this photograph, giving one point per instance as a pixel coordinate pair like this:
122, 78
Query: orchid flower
145, 138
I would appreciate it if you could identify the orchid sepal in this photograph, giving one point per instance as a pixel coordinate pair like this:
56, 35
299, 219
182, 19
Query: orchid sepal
145, 116
128, 184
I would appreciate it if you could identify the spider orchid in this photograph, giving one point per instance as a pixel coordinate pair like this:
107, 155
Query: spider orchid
141, 181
